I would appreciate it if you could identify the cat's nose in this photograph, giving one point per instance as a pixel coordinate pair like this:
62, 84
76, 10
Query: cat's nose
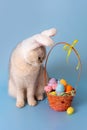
40, 59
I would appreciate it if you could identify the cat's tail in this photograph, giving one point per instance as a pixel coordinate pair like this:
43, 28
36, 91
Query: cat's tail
11, 89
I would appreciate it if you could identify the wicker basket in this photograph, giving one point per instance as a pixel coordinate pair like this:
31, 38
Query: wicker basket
61, 103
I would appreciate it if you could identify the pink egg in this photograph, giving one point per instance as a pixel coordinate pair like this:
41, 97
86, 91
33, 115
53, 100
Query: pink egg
48, 88
54, 86
50, 84
53, 80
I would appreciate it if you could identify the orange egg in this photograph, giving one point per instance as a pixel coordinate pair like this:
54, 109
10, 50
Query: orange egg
69, 88
63, 81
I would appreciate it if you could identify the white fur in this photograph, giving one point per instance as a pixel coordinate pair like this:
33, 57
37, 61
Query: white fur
51, 32
26, 79
38, 40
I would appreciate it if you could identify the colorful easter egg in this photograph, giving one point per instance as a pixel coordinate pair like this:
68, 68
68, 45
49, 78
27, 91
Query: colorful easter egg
63, 81
48, 88
53, 93
69, 88
50, 84
70, 110
54, 86
52, 81
60, 88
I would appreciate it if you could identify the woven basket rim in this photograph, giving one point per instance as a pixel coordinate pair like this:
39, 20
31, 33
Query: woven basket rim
67, 93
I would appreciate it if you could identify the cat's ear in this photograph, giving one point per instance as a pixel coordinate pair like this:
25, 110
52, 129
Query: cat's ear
51, 32
44, 37
43, 40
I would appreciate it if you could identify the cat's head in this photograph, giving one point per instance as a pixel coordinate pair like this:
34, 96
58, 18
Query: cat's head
36, 56
33, 48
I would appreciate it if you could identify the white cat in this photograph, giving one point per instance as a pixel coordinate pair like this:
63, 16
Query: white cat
26, 78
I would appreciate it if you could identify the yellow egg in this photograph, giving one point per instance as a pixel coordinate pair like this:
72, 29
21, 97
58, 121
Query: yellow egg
70, 110
53, 93
63, 81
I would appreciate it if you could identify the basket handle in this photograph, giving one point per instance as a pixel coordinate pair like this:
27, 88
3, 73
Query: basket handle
78, 57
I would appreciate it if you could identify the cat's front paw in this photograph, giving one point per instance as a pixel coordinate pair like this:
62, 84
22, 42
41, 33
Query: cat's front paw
32, 102
20, 104
40, 97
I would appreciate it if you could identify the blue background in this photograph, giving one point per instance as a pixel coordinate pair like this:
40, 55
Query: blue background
20, 19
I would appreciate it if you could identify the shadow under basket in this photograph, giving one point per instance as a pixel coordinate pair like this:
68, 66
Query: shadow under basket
59, 103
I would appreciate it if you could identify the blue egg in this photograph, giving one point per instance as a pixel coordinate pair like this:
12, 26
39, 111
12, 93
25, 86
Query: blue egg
60, 88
